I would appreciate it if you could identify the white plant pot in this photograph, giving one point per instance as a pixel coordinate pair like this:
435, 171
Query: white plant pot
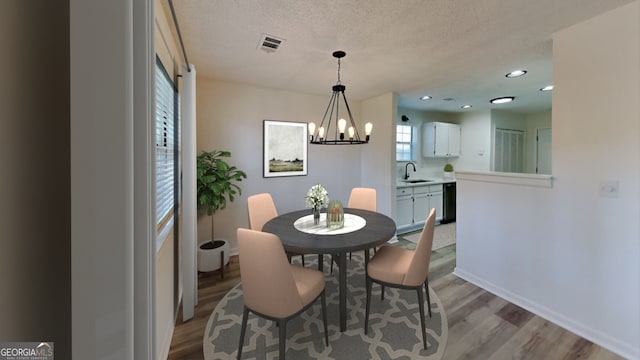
448, 174
210, 259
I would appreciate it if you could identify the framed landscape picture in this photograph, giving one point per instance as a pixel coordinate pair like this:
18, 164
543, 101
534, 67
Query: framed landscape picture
285, 148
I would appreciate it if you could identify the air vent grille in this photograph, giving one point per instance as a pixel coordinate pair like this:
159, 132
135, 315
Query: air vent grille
270, 43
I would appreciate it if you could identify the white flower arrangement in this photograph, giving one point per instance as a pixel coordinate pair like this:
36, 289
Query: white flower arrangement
317, 197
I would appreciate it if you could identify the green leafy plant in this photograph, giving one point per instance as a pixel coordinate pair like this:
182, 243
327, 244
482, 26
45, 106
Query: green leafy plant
216, 182
448, 167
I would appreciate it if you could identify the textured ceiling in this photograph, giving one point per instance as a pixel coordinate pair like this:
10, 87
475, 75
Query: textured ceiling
444, 48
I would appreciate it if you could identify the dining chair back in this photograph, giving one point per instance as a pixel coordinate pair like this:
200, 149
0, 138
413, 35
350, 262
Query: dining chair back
272, 288
363, 198
261, 209
397, 267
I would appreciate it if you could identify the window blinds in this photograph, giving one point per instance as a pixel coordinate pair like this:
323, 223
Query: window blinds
167, 143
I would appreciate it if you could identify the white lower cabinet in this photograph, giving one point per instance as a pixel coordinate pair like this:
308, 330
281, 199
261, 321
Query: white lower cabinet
404, 209
413, 205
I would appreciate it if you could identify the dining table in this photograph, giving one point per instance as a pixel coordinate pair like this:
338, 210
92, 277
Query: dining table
362, 230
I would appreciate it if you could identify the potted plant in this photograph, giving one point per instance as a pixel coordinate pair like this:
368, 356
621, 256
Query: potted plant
448, 170
215, 186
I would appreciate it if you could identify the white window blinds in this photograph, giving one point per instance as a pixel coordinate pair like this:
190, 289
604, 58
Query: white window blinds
167, 144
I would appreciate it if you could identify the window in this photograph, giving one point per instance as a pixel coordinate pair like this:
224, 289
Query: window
167, 144
405, 144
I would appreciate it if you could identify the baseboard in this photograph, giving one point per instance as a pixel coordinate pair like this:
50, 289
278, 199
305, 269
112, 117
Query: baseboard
625, 350
163, 351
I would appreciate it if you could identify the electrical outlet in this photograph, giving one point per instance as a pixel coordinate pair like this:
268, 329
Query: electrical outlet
609, 189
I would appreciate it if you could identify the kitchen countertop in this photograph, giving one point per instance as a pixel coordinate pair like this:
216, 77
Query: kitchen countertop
433, 181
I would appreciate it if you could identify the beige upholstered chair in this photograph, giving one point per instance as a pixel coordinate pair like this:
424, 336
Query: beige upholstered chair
361, 198
273, 288
405, 269
262, 209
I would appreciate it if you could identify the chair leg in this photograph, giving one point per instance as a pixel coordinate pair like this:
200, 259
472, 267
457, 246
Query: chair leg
302, 256
245, 315
324, 318
332, 261
421, 307
381, 292
368, 306
282, 323
426, 288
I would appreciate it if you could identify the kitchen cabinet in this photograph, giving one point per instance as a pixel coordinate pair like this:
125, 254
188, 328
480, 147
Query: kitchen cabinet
404, 208
440, 139
413, 205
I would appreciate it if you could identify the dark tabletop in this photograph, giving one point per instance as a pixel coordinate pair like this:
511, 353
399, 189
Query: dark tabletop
378, 230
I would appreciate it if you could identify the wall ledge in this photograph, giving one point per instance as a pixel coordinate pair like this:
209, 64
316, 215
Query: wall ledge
533, 180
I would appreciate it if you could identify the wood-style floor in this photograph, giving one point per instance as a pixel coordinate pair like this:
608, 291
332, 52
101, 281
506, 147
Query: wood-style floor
481, 325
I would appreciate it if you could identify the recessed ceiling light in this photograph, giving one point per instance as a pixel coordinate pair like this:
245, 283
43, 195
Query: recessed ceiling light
502, 100
448, 99
425, 97
466, 106
516, 73
547, 88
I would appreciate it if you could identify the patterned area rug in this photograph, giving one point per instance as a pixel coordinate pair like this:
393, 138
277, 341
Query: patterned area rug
394, 331
444, 235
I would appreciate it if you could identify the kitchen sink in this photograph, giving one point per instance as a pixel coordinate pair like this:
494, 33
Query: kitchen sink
415, 181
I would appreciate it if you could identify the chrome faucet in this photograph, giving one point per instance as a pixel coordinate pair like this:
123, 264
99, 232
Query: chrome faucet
406, 169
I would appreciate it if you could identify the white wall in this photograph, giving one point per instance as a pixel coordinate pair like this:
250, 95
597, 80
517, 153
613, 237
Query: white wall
475, 141
112, 262
378, 157
567, 253
230, 117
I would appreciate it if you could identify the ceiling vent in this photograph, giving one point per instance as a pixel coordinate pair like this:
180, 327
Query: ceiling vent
270, 43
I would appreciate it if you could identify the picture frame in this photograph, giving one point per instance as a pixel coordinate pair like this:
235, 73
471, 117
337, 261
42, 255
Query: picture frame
284, 148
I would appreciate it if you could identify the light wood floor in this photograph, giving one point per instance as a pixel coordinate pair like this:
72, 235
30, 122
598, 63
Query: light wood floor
481, 325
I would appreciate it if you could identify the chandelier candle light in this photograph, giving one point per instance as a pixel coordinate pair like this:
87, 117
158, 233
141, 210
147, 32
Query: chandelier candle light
325, 135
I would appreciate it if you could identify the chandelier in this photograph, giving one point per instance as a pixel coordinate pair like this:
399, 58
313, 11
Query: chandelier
333, 129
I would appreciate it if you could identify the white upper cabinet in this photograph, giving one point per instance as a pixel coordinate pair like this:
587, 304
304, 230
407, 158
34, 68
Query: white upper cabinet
440, 139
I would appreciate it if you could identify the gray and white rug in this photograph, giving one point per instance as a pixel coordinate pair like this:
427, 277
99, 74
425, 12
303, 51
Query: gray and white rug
394, 322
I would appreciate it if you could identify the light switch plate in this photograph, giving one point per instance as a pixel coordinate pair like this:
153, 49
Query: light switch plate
609, 189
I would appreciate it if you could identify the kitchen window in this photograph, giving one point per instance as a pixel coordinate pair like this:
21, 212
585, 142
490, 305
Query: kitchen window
405, 143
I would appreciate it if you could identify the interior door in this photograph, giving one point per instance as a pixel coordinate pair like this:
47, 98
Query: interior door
543, 151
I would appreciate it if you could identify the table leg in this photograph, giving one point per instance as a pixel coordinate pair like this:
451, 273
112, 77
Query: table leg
366, 258
342, 279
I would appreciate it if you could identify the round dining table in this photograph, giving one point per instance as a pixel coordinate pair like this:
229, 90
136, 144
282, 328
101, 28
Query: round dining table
376, 230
